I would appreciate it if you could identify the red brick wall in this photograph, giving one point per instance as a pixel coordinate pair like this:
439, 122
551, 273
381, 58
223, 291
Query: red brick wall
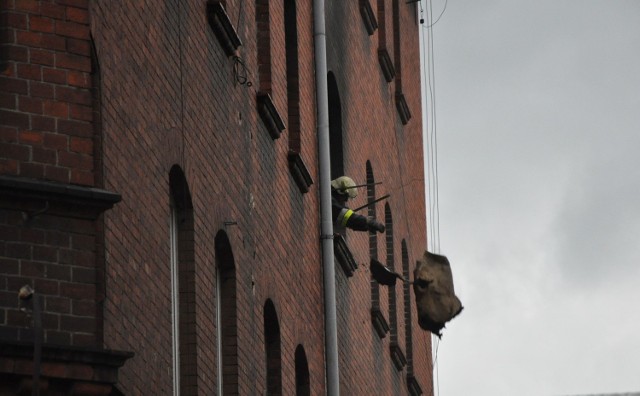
46, 133
45, 97
168, 96
374, 132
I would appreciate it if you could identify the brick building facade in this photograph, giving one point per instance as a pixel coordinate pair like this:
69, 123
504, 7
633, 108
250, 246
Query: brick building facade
159, 193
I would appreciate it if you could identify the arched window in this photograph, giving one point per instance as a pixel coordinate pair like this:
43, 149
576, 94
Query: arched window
407, 309
303, 386
185, 364
401, 102
395, 350
293, 94
377, 317
393, 317
226, 317
412, 382
397, 57
96, 115
386, 64
263, 40
335, 128
272, 349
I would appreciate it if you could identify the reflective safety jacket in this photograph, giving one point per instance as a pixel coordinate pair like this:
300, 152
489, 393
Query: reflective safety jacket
345, 217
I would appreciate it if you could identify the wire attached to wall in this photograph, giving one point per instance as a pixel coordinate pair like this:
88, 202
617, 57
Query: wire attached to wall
240, 72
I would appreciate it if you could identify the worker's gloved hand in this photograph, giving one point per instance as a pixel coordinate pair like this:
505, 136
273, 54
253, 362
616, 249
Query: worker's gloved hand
374, 225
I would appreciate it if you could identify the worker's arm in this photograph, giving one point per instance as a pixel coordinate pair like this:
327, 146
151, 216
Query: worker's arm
345, 217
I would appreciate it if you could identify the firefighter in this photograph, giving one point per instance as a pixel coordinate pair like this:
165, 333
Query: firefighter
342, 189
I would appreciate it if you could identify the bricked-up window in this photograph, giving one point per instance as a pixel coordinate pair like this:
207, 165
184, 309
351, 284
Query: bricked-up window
393, 316
96, 114
263, 40
293, 90
335, 128
185, 366
303, 387
373, 238
386, 64
397, 59
407, 309
273, 356
379, 322
226, 317
382, 25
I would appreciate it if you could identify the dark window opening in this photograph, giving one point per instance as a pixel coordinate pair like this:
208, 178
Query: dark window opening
272, 349
303, 387
226, 316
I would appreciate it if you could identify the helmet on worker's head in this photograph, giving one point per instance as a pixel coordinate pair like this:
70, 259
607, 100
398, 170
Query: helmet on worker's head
344, 185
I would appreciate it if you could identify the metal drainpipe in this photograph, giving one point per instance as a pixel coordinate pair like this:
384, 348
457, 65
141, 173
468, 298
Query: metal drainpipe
324, 164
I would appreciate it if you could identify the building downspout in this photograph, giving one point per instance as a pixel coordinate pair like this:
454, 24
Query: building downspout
324, 165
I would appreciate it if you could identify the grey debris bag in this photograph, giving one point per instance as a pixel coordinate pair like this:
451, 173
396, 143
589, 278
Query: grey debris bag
436, 300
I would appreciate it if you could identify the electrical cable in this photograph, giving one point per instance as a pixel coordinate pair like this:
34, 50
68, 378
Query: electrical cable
435, 133
428, 61
240, 72
440, 16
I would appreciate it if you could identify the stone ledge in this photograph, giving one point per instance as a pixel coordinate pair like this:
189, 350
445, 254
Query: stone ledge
343, 255
368, 16
413, 385
379, 322
386, 65
403, 108
397, 356
299, 171
269, 115
222, 27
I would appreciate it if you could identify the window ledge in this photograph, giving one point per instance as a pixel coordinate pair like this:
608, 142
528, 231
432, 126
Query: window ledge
414, 387
379, 322
222, 27
368, 17
403, 108
270, 115
397, 356
386, 65
299, 171
344, 256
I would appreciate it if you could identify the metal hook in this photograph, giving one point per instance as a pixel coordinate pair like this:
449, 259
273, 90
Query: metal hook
28, 217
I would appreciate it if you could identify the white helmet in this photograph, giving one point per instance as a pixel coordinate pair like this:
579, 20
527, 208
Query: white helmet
345, 185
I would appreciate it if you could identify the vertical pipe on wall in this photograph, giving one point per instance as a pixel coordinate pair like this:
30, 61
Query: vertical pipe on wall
324, 165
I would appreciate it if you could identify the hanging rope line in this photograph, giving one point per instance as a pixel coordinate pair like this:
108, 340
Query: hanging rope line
431, 140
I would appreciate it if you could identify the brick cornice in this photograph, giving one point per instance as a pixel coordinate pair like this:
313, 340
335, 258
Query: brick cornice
93, 370
93, 200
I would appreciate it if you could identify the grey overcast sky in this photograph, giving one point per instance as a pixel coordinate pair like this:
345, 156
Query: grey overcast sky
538, 132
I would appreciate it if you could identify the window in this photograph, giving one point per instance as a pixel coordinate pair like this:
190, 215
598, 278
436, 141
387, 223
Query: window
293, 94
272, 349
264, 45
303, 387
395, 350
335, 128
184, 348
226, 317
407, 308
412, 382
386, 65
377, 317
401, 102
